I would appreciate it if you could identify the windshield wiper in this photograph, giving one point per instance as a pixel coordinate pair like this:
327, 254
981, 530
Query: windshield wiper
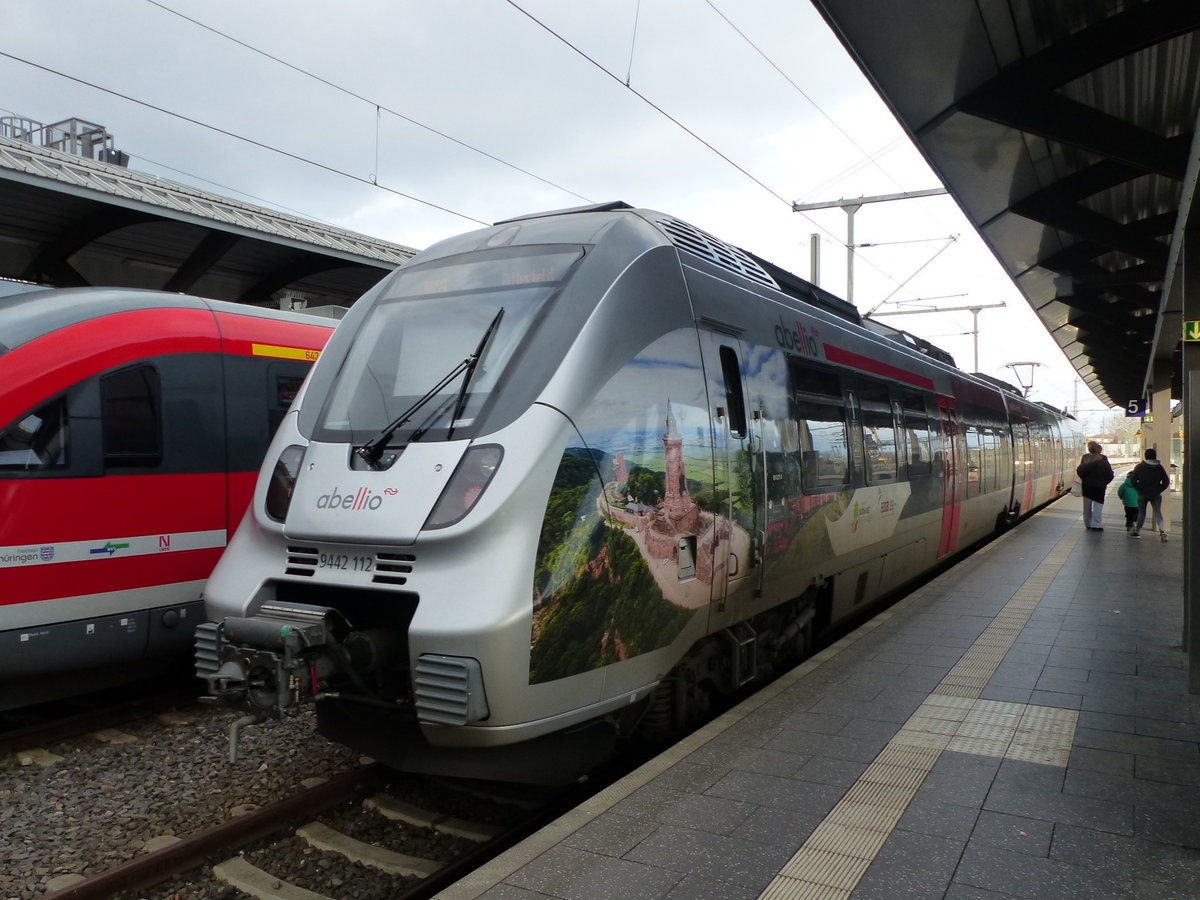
372, 450
461, 402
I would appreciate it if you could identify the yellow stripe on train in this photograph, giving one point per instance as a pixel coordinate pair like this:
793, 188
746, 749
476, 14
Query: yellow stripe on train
284, 352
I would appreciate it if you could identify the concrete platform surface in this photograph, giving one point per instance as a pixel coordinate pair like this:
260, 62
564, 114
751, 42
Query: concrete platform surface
1018, 727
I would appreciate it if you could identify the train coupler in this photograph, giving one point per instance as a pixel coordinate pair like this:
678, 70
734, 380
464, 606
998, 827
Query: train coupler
270, 663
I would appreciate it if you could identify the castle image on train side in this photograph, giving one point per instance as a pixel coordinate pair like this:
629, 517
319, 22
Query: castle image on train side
677, 515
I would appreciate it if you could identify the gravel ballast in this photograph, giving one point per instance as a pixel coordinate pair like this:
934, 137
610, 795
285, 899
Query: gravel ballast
86, 805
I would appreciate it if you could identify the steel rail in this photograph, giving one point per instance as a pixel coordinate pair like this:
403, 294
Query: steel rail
192, 851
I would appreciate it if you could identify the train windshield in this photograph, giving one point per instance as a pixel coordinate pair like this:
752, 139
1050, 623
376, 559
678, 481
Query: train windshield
428, 321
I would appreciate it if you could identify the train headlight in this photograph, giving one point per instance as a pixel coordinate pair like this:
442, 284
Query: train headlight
466, 485
283, 482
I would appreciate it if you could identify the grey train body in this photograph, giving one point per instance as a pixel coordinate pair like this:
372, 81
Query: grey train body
569, 477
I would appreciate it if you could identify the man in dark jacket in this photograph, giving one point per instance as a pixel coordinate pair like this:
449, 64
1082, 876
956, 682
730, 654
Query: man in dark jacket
1095, 472
1150, 479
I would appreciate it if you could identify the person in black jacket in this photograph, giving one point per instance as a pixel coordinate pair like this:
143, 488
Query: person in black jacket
1150, 479
1095, 472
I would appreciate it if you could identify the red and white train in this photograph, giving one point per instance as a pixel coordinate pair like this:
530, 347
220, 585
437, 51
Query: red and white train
132, 427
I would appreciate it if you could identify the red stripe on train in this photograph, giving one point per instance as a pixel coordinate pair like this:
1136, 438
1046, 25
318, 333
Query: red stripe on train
46, 510
52, 581
35, 371
875, 367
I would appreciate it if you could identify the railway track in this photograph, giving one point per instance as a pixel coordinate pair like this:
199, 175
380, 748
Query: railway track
52, 723
365, 834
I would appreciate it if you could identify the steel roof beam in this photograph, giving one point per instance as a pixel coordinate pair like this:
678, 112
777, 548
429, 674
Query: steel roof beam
1066, 121
212, 247
1023, 95
51, 260
1047, 209
1137, 27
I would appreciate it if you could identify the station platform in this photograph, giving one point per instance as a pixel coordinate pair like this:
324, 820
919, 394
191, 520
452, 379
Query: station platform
1019, 726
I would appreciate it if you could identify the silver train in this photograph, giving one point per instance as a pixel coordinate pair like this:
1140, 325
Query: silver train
568, 478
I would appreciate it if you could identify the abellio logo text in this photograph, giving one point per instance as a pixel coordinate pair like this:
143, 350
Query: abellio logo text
363, 498
798, 338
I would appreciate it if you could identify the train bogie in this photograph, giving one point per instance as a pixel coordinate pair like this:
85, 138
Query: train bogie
578, 473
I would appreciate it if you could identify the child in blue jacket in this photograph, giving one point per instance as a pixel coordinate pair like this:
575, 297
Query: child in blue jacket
1129, 497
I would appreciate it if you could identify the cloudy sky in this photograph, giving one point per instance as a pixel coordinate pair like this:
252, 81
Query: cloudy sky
412, 121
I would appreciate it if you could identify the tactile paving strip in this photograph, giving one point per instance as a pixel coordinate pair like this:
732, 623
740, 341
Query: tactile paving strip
840, 849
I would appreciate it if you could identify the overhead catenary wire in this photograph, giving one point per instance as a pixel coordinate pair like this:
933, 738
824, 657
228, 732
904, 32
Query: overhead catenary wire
239, 137
687, 130
868, 159
378, 106
645, 99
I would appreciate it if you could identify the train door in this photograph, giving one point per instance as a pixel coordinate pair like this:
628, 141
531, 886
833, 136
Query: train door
737, 529
258, 393
951, 474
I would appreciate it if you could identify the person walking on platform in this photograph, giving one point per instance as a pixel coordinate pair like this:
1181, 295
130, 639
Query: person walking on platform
1129, 499
1095, 472
1150, 479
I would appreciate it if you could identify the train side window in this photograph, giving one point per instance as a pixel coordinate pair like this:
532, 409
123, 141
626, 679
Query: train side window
285, 380
879, 433
1041, 449
809, 380
986, 459
990, 445
915, 435
820, 411
824, 457
974, 459
734, 400
1004, 458
37, 440
131, 415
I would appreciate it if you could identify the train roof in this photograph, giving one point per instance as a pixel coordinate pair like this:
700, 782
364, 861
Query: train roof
742, 264
30, 314
738, 261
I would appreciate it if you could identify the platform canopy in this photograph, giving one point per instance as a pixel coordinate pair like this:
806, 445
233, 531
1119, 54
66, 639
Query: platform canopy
1066, 130
71, 221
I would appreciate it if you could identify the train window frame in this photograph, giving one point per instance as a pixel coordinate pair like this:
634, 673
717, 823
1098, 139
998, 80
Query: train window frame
735, 399
876, 416
32, 452
989, 455
913, 413
285, 379
1042, 448
134, 420
973, 445
812, 391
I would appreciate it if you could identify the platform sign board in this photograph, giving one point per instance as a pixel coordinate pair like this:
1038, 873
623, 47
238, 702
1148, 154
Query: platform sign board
1136, 409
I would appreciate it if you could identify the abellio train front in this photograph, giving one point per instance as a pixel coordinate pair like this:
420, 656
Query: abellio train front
568, 477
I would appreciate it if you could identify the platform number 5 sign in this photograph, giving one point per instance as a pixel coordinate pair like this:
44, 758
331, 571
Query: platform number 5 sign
1136, 409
